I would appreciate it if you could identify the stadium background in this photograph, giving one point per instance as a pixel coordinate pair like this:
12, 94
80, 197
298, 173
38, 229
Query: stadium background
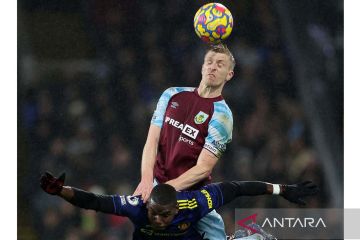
90, 73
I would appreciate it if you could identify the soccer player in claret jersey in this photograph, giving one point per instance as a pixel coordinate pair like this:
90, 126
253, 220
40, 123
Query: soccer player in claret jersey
189, 132
169, 214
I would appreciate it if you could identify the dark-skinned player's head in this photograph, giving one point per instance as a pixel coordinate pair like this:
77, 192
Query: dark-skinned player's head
162, 206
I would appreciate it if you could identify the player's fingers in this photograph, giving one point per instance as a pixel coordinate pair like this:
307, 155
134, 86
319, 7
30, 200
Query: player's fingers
313, 190
44, 180
307, 182
311, 185
62, 177
136, 192
48, 175
42, 177
144, 197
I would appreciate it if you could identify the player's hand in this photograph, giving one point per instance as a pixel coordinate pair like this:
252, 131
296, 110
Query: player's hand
144, 189
296, 192
51, 184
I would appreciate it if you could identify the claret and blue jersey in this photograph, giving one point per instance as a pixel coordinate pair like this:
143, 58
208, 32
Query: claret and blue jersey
188, 124
193, 205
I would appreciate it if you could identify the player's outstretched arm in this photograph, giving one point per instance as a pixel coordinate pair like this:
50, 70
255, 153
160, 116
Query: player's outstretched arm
77, 197
294, 193
147, 163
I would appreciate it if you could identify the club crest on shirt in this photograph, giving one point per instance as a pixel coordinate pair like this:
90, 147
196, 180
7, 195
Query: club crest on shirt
134, 201
184, 226
200, 117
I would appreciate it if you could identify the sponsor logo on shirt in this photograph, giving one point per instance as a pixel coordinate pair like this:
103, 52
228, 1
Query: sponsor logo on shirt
208, 197
190, 131
212, 149
220, 146
200, 117
216, 148
174, 105
185, 140
134, 201
186, 129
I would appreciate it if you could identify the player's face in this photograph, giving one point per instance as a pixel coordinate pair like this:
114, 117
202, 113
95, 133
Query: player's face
160, 216
216, 69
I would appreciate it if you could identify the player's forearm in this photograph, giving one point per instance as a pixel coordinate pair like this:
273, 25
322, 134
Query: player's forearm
149, 153
190, 177
199, 172
87, 200
234, 189
148, 161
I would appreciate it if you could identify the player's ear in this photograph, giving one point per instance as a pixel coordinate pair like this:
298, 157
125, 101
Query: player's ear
229, 75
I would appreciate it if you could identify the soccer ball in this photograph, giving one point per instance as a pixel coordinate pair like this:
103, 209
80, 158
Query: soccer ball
213, 22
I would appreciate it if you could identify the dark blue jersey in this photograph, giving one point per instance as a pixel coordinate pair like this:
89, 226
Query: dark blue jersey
193, 205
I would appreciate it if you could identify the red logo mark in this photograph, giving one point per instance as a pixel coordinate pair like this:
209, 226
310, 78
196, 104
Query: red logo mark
243, 224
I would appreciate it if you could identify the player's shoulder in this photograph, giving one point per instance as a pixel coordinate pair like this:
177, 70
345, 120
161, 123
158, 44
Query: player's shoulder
193, 199
188, 200
171, 91
175, 90
211, 190
222, 113
221, 107
127, 204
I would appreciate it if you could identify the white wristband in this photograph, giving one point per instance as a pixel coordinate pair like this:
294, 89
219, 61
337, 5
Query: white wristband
276, 189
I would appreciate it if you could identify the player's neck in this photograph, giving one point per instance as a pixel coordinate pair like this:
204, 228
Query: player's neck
209, 91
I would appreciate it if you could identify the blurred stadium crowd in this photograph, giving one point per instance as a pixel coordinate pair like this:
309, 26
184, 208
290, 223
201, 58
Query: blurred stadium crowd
93, 124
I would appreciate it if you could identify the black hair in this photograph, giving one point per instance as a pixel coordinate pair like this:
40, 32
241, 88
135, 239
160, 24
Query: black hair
163, 194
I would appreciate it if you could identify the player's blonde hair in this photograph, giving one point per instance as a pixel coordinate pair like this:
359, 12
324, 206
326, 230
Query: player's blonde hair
222, 48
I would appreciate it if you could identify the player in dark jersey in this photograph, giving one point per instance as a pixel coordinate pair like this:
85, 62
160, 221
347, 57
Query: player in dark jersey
169, 214
189, 132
